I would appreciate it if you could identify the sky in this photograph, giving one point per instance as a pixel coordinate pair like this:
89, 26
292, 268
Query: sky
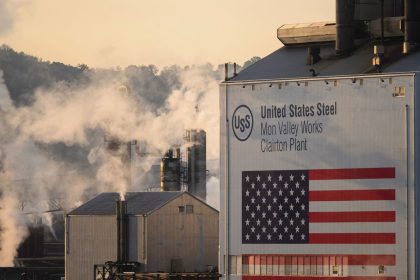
111, 33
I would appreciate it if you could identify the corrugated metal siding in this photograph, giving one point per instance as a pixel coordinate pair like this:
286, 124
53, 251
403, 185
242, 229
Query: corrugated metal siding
132, 239
141, 240
192, 238
92, 241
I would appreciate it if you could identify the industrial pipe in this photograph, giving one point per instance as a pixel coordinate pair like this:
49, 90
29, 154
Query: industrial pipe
121, 208
412, 25
344, 14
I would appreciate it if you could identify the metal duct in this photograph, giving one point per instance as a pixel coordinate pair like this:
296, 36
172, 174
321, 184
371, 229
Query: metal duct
412, 25
345, 26
121, 208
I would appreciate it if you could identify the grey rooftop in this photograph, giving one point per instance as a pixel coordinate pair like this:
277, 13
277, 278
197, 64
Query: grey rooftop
291, 62
138, 203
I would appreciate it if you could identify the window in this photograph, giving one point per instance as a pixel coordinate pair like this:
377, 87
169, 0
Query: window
235, 265
186, 209
189, 209
293, 265
245, 265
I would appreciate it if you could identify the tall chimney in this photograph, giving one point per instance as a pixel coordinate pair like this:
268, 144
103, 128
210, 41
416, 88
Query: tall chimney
121, 208
412, 25
344, 14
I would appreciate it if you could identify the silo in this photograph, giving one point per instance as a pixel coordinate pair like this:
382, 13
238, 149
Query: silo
196, 154
170, 171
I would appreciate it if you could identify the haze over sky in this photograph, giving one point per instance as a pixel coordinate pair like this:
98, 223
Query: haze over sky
109, 33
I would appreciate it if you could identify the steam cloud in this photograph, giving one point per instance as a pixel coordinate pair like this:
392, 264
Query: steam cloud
34, 169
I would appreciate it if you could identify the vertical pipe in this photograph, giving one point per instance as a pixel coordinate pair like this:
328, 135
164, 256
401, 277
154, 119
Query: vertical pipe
344, 26
409, 196
227, 186
143, 239
226, 71
382, 21
121, 210
412, 25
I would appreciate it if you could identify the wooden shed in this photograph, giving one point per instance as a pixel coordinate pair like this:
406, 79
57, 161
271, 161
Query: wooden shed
166, 232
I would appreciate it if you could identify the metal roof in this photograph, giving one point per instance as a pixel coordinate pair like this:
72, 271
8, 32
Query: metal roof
410, 63
138, 203
290, 62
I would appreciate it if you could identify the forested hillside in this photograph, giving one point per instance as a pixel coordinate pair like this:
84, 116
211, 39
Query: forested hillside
23, 74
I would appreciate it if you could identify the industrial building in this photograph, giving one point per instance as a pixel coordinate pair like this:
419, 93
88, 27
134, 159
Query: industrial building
191, 175
156, 231
41, 255
181, 168
307, 132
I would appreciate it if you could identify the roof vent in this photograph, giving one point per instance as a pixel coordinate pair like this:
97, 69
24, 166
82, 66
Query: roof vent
313, 55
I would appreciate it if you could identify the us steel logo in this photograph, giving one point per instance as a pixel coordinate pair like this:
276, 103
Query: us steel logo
242, 122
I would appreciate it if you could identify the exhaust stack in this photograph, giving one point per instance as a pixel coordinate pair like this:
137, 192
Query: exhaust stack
412, 25
344, 41
121, 208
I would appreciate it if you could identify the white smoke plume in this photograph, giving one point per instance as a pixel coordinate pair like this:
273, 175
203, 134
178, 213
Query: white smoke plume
13, 227
30, 173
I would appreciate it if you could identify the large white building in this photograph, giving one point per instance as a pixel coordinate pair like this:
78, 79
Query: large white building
319, 151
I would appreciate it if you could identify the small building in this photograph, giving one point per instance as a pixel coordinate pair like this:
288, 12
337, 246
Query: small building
166, 232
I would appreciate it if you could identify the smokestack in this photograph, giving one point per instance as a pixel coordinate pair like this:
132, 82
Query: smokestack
121, 208
412, 25
344, 40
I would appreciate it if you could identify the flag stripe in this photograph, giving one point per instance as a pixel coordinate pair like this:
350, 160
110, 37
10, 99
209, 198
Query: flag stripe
351, 195
245, 277
356, 216
348, 206
352, 238
352, 227
352, 259
352, 173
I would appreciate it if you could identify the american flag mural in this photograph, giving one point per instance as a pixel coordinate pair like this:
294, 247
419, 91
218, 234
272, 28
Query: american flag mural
294, 208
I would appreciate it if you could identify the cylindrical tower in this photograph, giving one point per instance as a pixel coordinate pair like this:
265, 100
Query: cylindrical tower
196, 162
170, 171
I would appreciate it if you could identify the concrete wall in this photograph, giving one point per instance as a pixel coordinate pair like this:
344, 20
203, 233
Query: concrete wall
90, 240
188, 239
